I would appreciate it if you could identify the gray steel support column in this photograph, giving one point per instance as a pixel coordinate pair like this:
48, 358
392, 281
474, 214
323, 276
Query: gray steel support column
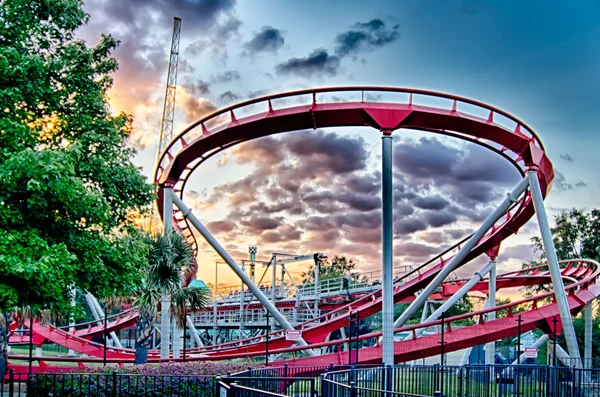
177, 340
234, 266
115, 340
274, 283
490, 348
317, 287
460, 255
165, 316
165, 327
214, 336
192, 328
242, 302
387, 197
557, 282
587, 340
456, 297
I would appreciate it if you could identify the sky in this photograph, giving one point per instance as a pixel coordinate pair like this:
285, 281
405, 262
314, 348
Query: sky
319, 191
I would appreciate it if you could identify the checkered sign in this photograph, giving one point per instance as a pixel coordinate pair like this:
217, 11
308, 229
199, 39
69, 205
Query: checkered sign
252, 249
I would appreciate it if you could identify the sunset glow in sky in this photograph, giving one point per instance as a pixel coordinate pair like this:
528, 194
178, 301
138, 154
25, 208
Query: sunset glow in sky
309, 191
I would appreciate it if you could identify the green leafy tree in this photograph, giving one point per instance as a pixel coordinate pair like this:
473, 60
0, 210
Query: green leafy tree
576, 234
170, 257
337, 267
69, 192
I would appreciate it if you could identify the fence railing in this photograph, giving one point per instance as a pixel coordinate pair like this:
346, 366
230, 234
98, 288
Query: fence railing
323, 381
110, 384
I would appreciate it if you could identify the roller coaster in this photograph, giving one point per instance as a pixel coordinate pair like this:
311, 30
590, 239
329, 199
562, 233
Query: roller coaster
320, 308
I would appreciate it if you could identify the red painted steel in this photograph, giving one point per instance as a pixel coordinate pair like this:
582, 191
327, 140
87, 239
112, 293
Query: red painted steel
520, 145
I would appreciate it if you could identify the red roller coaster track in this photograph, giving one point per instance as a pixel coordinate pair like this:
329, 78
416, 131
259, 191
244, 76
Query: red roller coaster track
504, 135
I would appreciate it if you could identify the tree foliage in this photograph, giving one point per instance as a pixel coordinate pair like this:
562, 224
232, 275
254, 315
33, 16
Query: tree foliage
337, 267
68, 190
170, 257
576, 234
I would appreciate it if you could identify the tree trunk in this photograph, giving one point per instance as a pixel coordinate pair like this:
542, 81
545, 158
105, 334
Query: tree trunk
165, 327
143, 337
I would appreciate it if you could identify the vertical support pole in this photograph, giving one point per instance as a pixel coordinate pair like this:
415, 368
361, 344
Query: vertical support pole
242, 302
267, 341
587, 344
214, 336
165, 327
105, 335
357, 335
387, 249
165, 316
274, 283
557, 282
281, 282
554, 342
490, 348
317, 274
31, 339
273, 286
184, 332
519, 337
71, 352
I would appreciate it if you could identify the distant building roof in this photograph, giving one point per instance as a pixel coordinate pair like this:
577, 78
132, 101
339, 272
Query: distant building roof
198, 284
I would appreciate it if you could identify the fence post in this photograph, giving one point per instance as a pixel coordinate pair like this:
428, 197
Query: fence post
437, 394
114, 384
11, 382
285, 370
353, 391
324, 392
460, 381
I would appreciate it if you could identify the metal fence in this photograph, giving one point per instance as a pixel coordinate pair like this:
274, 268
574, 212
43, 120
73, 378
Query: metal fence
324, 381
110, 384
466, 381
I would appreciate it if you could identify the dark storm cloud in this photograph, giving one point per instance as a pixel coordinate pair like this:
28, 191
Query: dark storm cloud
363, 220
567, 157
367, 184
470, 177
415, 249
198, 14
365, 37
197, 88
281, 234
318, 63
324, 151
269, 39
258, 224
226, 77
431, 203
406, 226
220, 226
439, 218
228, 96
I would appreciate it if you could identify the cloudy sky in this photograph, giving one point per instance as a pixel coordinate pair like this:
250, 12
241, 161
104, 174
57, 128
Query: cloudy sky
309, 191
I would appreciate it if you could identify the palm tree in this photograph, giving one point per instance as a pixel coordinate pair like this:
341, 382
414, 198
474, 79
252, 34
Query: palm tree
170, 257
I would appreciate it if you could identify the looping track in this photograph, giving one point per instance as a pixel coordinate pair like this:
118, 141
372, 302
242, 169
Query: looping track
462, 118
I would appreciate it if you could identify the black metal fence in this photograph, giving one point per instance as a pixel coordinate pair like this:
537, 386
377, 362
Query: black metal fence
110, 384
329, 381
467, 381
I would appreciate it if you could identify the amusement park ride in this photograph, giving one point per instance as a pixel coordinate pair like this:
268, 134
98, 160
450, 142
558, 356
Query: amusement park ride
234, 327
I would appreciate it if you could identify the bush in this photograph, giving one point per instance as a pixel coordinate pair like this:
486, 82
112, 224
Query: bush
194, 379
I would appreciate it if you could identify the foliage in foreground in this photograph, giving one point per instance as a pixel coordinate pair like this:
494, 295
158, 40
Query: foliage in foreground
68, 189
169, 379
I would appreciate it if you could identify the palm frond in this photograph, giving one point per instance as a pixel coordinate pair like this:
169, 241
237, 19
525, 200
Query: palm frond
195, 298
147, 302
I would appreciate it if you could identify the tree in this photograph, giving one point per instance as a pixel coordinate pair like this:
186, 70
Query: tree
576, 234
170, 257
338, 267
69, 192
